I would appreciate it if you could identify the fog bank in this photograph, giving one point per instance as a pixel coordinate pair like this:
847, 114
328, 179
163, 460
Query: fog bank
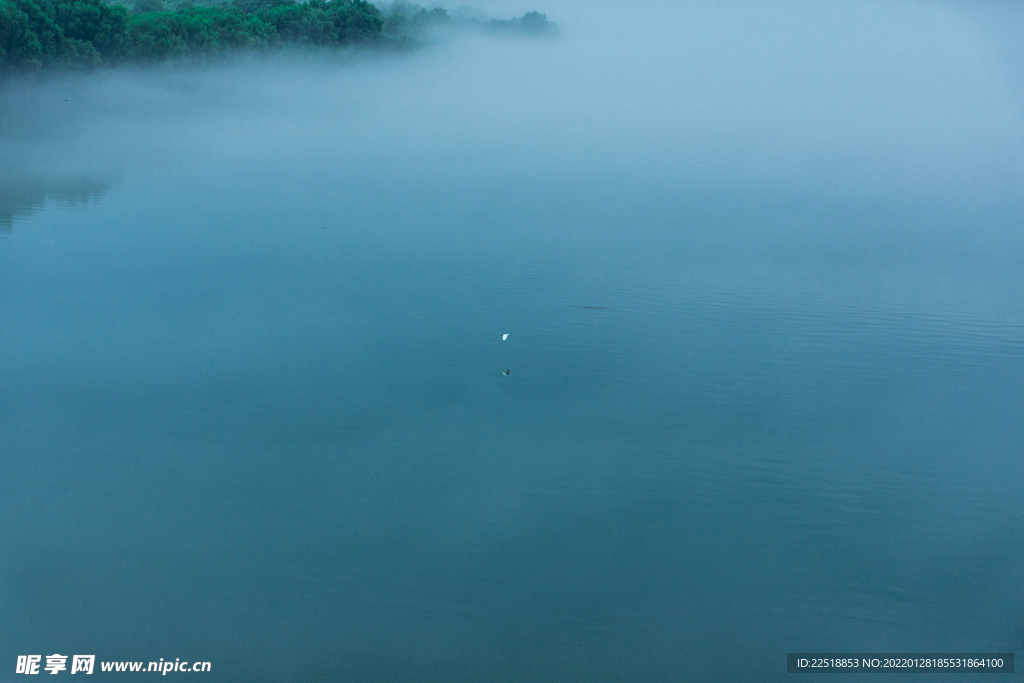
648, 119
918, 97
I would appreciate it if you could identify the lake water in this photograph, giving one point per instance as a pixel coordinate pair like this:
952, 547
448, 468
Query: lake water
761, 272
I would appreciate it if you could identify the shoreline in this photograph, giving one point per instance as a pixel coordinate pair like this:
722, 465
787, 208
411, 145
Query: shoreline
79, 35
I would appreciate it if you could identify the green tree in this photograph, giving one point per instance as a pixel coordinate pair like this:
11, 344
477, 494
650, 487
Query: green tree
95, 22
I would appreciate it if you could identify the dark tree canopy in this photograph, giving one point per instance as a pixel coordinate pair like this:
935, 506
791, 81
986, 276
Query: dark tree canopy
43, 33
40, 33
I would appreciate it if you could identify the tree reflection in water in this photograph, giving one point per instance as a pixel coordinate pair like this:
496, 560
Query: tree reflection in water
22, 197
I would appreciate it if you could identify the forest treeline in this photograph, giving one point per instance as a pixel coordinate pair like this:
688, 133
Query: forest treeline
36, 34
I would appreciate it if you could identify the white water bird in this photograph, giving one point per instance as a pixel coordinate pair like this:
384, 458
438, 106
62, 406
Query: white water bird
504, 337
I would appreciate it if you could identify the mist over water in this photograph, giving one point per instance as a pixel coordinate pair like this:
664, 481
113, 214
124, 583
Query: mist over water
760, 267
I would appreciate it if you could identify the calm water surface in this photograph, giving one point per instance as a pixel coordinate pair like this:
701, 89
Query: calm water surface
765, 389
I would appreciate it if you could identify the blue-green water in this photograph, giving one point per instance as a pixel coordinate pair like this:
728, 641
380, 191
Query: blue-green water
765, 384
